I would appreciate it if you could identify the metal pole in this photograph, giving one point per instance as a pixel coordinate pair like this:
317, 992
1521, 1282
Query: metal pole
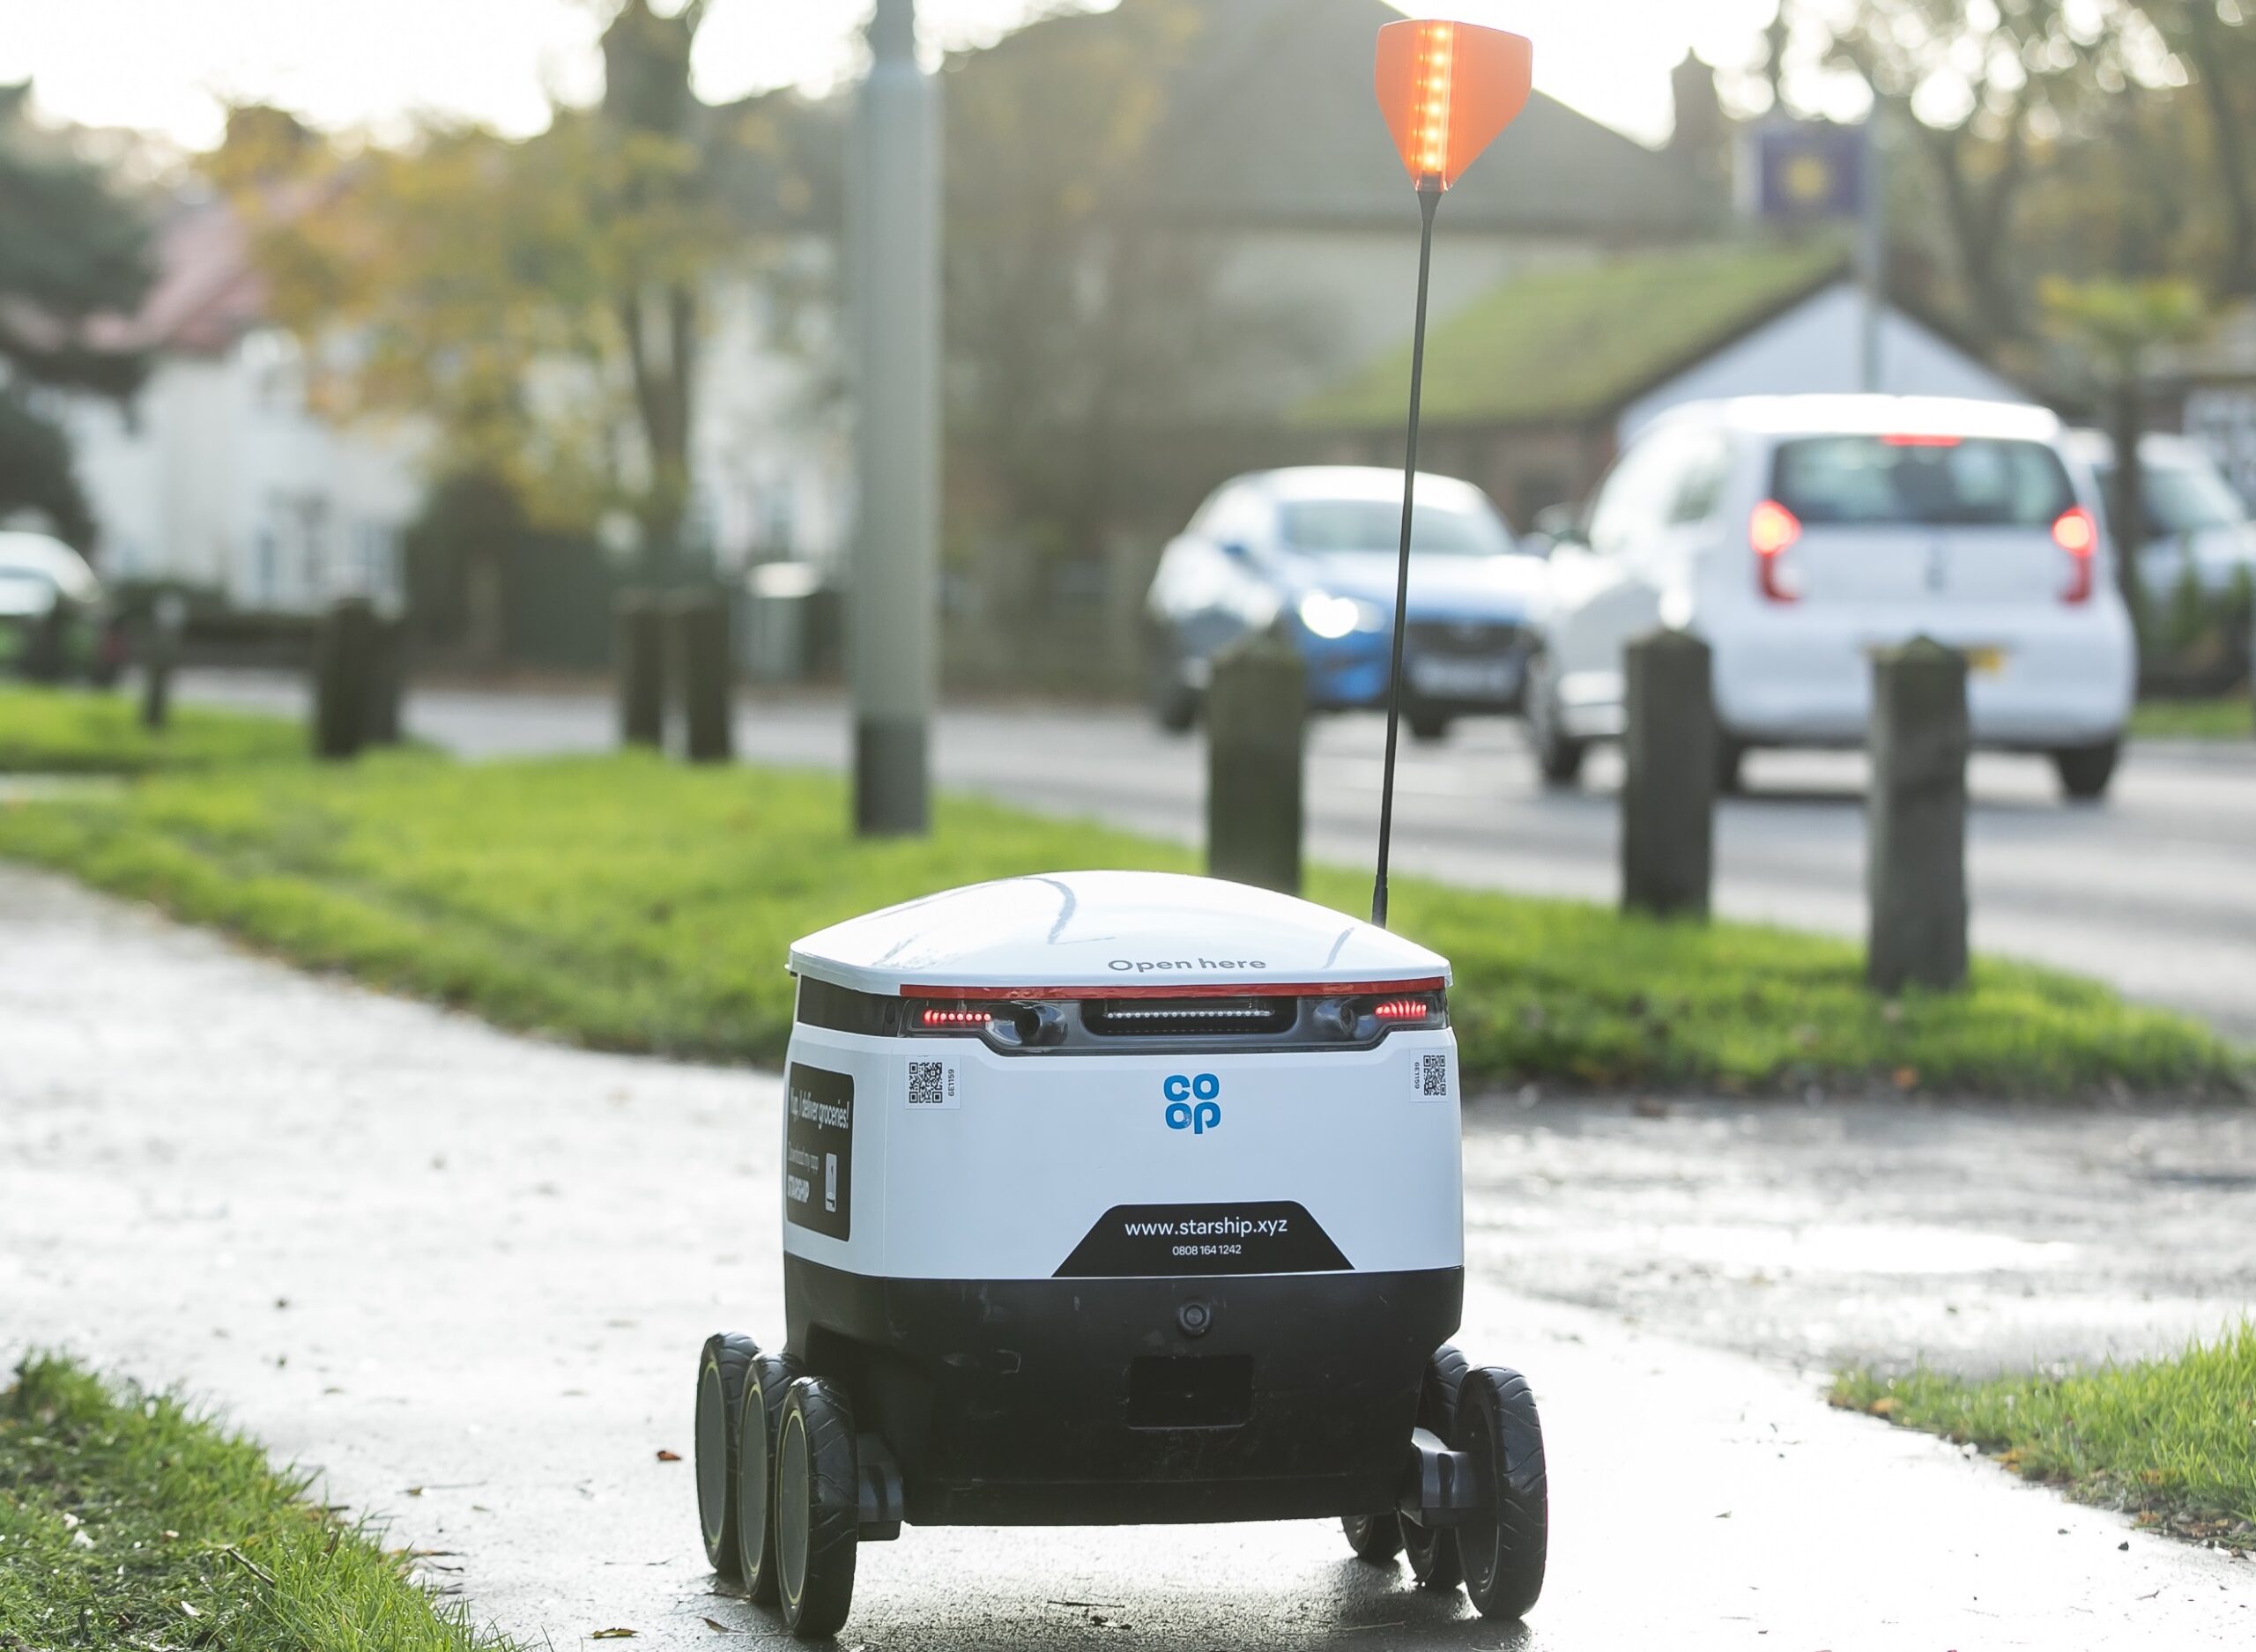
1429, 198
1873, 253
895, 288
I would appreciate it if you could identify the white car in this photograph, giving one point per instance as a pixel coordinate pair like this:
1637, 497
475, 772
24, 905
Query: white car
1799, 535
2196, 525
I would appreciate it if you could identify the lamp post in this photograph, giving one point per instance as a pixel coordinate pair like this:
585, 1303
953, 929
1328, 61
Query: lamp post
1447, 91
894, 290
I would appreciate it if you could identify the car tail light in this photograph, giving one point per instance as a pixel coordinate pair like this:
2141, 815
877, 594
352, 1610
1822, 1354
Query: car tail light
1773, 530
1921, 442
2077, 533
954, 1020
1395, 1011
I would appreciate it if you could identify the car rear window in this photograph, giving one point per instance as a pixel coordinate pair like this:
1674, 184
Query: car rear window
1318, 525
1926, 482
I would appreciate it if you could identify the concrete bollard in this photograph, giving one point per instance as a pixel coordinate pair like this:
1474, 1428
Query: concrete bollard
640, 669
344, 644
1257, 717
703, 677
386, 682
1915, 875
1668, 786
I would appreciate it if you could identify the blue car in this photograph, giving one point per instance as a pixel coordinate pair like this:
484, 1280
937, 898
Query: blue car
1312, 552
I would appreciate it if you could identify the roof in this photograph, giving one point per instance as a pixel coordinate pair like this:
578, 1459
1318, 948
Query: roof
1112, 931
1271, 121
1880, 416
1579, 342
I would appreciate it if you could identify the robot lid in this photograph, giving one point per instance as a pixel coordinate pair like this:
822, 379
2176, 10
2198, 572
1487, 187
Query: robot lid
1118, 934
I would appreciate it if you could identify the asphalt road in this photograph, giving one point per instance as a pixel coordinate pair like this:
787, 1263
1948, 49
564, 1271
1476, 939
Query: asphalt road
2155, 891
465, 1276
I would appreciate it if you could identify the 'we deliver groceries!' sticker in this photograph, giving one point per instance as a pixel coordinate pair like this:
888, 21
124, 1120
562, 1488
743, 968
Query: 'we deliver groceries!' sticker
819, 1150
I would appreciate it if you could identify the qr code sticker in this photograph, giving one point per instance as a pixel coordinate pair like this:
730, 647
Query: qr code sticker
932, 1084
1431, 1074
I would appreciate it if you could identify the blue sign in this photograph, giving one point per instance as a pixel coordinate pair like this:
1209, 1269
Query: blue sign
1808, 171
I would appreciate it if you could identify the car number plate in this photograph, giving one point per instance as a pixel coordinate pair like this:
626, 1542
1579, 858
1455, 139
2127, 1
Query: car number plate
1464, 680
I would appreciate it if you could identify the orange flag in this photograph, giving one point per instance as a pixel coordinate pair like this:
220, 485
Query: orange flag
1447, 91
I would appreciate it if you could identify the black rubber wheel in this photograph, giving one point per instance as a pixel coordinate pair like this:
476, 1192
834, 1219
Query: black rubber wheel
2086, 771
1374, 1538
1174, 702
1502, 1547
1432, 1549
1429, 727
720, 1393
1557, 758
818, 1508
1731, 766
760, 1410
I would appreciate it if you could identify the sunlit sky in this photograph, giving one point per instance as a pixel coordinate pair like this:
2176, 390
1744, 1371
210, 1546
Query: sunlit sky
169, 66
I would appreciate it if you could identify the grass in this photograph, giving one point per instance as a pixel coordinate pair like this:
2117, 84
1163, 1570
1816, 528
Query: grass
2228, 717
72, 731
628, 903
128, 1520
2172, 1441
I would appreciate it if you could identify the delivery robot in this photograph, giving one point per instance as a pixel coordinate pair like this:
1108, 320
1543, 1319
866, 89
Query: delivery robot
1111, 1198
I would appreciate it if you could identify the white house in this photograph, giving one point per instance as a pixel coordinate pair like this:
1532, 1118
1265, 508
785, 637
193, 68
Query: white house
217, 473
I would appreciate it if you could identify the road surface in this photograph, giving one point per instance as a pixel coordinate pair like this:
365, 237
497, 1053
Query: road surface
466, 1275
2155, 891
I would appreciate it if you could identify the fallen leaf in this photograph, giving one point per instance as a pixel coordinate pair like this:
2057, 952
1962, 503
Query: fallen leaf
668, 1456
190, 1612
717, 1627
612, 1634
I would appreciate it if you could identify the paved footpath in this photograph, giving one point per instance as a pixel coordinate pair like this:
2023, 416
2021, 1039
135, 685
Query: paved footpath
467, 1274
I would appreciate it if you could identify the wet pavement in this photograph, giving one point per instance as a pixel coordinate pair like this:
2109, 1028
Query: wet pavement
1882, 1233
467, 1274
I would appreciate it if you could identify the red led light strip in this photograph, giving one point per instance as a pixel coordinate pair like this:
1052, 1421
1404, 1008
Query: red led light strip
1204, 989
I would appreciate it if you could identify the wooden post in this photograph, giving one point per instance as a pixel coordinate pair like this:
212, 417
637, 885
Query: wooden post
344, 642
640, 671
1668, 786
1257, 715
700, 669
160, 655
1916, 832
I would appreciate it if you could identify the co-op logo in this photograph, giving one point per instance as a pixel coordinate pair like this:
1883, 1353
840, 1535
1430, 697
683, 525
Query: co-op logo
1182, 1094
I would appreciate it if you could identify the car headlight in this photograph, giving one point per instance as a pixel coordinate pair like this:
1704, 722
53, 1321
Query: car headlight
1332, 618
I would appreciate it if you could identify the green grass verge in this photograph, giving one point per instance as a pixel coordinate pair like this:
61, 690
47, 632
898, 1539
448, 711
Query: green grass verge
632, 904
2173, 1440
126, 1520
2230, 718
75, 731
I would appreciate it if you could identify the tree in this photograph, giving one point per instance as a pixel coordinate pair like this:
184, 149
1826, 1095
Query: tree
1083, 326
2218, 53
537, 300
73, 251
1982, 85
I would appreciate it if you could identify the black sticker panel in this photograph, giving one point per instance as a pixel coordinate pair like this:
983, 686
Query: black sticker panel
1147, 1240
819, 1150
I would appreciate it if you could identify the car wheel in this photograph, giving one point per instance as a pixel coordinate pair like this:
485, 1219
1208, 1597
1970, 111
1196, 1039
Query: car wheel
2086, 771
1174, 702
1557, 758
